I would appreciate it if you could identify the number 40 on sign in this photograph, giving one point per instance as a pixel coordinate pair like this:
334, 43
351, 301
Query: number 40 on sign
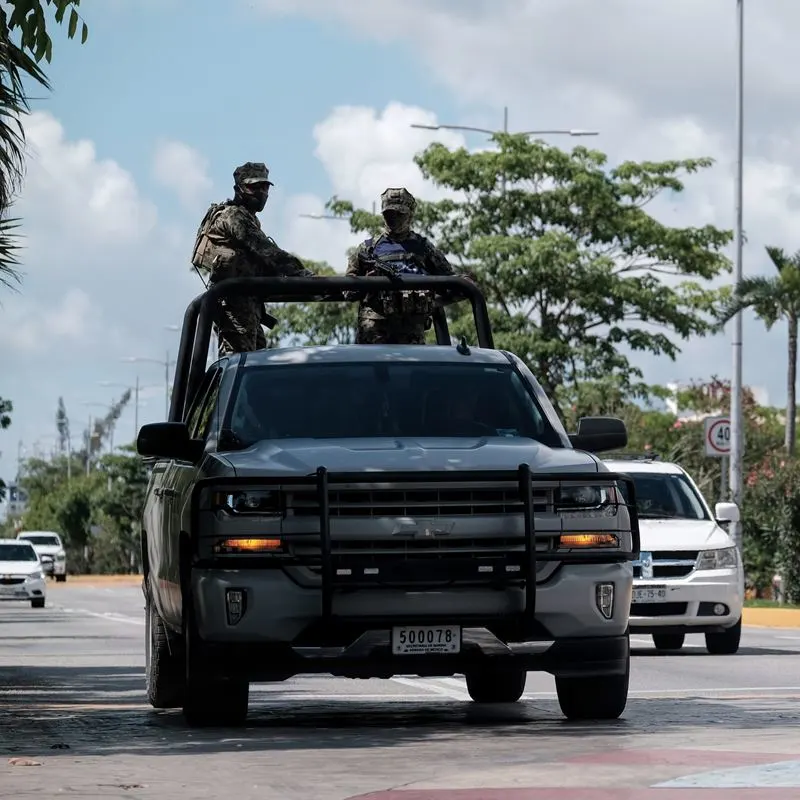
717, 435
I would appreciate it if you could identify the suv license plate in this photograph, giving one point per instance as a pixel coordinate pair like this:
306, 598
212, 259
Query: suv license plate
418, 640
649, 594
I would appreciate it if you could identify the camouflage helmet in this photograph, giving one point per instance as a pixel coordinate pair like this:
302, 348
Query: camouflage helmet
398, 200
251, 172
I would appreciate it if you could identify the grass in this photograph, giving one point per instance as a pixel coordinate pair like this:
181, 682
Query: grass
767, 604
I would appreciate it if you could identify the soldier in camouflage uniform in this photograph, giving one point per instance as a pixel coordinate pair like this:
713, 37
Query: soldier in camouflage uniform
231, 244
395, 317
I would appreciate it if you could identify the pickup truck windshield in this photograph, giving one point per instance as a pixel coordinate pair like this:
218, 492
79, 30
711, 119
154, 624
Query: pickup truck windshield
17, 552
408, 399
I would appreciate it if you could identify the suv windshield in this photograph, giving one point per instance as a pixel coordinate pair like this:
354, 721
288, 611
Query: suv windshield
665, 496
17, 552
42, 539
405, 399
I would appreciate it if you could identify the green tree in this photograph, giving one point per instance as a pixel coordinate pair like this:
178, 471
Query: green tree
314, 323
577, 272
24, 43
6, 407
774, 299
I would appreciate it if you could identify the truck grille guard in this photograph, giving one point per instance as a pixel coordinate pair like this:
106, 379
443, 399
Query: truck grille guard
524, 477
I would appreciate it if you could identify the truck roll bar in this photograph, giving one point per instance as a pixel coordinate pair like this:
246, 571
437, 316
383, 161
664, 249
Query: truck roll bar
199, 317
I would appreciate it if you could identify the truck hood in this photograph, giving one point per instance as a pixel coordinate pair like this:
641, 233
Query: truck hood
303, 456
48, 549
19, 568
682, 534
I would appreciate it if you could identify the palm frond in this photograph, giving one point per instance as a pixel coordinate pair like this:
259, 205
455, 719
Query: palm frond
766, 296
777, 255
15, 64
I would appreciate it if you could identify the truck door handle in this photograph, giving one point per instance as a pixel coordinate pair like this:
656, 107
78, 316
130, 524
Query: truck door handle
161, 492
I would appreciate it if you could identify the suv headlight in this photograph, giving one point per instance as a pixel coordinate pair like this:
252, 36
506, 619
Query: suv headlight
587, 501
35, 576
259, 502
724, 558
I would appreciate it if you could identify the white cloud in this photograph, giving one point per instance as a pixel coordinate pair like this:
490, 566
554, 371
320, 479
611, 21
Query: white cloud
383, 157
34, 329
91, 201
183, 170
103, 277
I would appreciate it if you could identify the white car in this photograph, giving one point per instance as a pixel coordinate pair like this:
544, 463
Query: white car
51, 551
21, 574
689, 577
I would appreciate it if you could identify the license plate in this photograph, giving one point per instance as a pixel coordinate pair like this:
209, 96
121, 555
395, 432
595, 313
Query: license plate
419, 640
649, 594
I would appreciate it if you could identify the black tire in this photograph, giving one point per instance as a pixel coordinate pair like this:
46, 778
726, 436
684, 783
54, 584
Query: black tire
726, 643
37, 602
496, 685
61, 578
594, 698
165, 666
216, 703
669, 641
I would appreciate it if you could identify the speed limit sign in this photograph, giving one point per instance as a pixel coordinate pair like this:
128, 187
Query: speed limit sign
717, 432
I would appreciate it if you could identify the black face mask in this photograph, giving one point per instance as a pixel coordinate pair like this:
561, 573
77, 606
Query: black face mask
253, 197
396, 221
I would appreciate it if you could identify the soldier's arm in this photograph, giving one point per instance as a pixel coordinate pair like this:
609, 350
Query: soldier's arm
436, 262
275, 261
355, 263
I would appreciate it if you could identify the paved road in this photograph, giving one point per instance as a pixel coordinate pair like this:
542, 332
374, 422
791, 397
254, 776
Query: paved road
71, 699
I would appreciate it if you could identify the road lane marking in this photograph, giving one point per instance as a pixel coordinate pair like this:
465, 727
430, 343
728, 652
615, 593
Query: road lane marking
112, 616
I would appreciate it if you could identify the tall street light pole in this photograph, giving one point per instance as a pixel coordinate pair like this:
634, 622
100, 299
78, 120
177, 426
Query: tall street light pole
166, 364
489, 132
737, 417
136, 389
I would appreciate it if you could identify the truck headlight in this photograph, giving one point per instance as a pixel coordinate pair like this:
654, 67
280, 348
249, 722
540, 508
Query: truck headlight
259, 502
61, 555
587, 501
724, 558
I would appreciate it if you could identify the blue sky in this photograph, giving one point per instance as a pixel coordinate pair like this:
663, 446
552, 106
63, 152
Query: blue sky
324, 91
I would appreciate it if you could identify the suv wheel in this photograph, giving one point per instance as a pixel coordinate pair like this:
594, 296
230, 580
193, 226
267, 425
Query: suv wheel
37, 602
669, 641
594, 697
164, 670
496, 685
217, 703
725, 643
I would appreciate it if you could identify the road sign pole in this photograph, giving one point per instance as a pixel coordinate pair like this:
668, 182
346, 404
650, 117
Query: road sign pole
723, 483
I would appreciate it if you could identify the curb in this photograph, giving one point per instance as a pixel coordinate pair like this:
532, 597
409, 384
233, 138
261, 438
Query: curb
771, 617
97, 580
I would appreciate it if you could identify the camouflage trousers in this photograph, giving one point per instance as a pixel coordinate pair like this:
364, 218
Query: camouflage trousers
391, 330
238, 328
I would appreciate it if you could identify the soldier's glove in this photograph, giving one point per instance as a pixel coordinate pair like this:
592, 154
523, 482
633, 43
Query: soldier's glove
267, 320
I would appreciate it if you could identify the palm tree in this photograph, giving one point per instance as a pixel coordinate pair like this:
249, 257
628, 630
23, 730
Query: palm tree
15, 64
772, 299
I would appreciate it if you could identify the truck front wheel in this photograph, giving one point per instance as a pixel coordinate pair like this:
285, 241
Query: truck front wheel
165, 664
216, 703
496, 684
594, 697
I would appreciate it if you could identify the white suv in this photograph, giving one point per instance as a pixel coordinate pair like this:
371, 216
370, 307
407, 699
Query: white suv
689, 577
50, 549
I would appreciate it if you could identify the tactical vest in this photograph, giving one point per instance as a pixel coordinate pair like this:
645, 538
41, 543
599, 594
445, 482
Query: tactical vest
204, 254
402, 258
